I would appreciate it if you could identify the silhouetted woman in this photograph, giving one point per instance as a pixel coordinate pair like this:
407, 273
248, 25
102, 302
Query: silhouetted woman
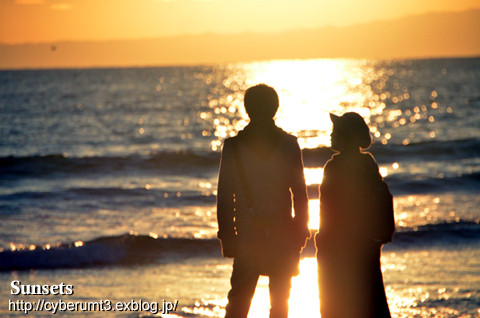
356, 218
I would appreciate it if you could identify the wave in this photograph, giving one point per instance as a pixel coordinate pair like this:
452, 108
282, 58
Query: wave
434, 150
113, 250
401, 184
12, 167
57, 165
428, 150
467, 301
110, 195
127, 249
437, 235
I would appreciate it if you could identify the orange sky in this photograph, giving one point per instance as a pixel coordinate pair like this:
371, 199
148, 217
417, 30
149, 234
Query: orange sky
24, 21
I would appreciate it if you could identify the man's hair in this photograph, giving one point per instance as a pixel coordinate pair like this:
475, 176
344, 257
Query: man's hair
261, 102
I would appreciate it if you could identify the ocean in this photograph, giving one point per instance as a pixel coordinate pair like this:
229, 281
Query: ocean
108, 182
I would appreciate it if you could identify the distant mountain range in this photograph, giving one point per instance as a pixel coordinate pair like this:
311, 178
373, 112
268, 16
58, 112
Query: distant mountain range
430, 35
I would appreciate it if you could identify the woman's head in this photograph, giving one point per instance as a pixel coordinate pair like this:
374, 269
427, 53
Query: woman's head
261, 102
350, 132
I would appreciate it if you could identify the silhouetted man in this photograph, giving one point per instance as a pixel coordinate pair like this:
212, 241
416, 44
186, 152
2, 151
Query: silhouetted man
261, 173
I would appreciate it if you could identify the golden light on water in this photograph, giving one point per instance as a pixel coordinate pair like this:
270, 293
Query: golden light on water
304, 301
383, 171
311, 89
308, 91
314, 212
313, 175
153, 235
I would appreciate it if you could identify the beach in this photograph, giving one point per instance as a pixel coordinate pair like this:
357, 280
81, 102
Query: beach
108, 181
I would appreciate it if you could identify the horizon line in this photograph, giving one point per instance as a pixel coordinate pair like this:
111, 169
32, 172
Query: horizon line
93, 67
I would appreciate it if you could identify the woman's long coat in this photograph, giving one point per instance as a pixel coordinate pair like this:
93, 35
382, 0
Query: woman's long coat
350, 238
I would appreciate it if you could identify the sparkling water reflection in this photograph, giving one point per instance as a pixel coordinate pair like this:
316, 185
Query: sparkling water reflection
308, 92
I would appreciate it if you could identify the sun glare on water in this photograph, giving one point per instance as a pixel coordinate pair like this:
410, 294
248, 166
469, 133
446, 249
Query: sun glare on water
308, 91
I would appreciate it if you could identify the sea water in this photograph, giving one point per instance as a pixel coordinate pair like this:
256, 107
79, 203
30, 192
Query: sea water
108, 181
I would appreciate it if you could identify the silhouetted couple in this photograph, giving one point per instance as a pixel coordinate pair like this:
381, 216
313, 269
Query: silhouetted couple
261, 178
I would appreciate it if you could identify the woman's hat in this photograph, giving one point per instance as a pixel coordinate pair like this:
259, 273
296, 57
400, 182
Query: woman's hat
353, 127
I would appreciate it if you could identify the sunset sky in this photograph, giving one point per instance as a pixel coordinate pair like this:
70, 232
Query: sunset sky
47, 21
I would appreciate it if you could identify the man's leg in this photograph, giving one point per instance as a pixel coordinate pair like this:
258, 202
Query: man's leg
279, 286
244, 281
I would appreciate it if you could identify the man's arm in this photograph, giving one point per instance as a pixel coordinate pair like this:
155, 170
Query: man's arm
225, 203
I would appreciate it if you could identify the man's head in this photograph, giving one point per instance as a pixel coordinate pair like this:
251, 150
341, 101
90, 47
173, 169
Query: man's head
261, 102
